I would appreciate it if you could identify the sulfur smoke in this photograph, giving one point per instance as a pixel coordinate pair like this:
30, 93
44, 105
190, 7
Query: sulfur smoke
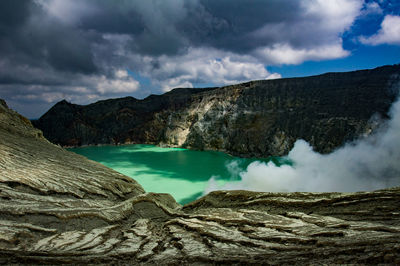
368, 164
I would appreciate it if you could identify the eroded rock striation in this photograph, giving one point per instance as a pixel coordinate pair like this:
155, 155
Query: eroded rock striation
258, 118
59, 207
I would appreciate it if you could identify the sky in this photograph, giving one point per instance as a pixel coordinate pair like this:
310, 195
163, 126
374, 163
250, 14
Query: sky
85, 50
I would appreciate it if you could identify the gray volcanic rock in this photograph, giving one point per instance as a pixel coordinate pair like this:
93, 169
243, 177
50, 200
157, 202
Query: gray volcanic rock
258, 118
57, 207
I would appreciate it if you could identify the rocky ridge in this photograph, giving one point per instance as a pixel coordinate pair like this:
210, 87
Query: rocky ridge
258, 118
59, 207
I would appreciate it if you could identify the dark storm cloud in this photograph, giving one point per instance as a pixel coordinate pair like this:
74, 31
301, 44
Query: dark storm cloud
152, 24
112, 17
13, 14
64, 34
81, 49
170, 27
227, 24
31, 38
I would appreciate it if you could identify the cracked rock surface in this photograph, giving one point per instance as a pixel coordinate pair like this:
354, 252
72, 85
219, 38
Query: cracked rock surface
59, 207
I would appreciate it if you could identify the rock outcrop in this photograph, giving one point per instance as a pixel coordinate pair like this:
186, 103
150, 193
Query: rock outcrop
258, 118
57, 207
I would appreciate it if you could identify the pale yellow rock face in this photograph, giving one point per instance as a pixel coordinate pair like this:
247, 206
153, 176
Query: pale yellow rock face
59, 207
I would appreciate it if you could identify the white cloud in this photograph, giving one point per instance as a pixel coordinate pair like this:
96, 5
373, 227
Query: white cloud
285, 54
206, 66
389, 33
120, 73
334, 16
371, 8
178, 82
274, 76
122, 83
316, 35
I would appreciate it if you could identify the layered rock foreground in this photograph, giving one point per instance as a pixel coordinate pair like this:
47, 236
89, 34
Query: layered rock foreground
258, 118
59, 207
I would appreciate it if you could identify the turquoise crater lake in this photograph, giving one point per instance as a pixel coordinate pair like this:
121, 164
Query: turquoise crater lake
182, 173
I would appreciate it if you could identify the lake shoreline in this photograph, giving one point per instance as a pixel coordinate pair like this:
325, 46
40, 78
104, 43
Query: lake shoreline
186, 172
244, 156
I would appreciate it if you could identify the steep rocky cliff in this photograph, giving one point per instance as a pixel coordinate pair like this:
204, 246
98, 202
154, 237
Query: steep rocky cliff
258, 118
57, 207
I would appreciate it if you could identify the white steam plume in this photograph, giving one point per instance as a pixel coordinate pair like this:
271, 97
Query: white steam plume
368, 164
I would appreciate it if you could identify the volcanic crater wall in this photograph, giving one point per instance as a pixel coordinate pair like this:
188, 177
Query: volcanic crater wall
257, 118
57, 207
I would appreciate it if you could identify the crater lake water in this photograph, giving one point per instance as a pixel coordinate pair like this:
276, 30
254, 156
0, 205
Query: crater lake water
181, 172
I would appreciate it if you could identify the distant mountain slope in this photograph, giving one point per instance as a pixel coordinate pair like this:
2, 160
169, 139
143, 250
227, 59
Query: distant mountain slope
57, 207
258, 118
